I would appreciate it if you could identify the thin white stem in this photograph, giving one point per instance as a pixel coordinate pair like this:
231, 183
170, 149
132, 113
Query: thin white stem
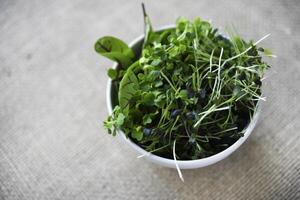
176, 163
256, 43
143, 155
210, 110
236, 56
213, 110
219, 69
260, 98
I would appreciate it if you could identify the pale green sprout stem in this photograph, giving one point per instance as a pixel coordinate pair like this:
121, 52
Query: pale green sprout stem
177, 118
218, 109
247, 69
220, 87
196, 42
212, 109
213, 91
219, 68
241, 96
164, 113
227, 130
210, 60
198, 146
165, 77
247, 89
148, 153
217, 80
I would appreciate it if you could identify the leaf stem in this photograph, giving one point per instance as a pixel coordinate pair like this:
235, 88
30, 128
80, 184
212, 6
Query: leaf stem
170, 83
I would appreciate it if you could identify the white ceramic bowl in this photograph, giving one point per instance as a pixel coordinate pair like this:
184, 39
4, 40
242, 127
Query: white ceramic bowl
183, 164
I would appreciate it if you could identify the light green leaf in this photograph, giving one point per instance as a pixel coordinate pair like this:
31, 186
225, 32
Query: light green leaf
137, 133
183, 94
120, 119
116, 50
147, 119
156, 62
158, 83
109, 125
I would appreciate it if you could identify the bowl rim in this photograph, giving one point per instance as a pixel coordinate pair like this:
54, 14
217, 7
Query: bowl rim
183, 164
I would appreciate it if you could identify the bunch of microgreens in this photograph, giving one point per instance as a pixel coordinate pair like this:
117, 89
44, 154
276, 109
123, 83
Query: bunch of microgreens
190, 87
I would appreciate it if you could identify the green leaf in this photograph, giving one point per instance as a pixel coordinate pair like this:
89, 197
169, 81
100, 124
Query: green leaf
158, 83
163, 37
112, 73
129, 85
137, 133
170, 66
153, 75
116, 50
181, 23
148, 98
147, 119
109, 125
160, 100
183, 94
115, 121
156, 62
174, 51
120, 119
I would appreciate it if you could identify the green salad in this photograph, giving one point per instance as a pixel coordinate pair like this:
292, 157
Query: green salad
189, 86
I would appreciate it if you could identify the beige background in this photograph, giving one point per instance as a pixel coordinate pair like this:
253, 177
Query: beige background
52, 104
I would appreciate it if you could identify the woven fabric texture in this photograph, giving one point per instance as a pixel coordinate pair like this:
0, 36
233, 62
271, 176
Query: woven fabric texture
52, 104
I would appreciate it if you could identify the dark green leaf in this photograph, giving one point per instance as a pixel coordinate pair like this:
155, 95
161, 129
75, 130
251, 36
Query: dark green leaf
112, 73
148, 98
129, 85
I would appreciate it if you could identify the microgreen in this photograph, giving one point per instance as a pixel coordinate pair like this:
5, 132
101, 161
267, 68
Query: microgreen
191, 87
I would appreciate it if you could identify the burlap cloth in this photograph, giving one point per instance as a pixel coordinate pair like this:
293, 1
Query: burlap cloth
52, 104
